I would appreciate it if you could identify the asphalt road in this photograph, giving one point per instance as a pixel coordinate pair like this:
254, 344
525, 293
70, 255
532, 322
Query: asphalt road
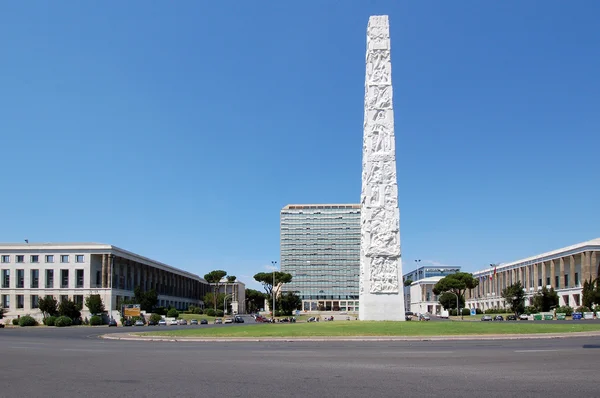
69, 362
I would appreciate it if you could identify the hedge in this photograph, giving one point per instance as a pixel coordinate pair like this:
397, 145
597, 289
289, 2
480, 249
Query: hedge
62, 321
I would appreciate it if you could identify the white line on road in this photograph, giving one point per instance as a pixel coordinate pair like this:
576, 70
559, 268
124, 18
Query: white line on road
522, 351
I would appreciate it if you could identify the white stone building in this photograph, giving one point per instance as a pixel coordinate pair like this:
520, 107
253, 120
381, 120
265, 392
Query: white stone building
564, 270
422, 299
235, 296
30, 271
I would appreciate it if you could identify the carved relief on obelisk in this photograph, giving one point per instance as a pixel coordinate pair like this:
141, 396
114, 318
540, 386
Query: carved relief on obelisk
381, 295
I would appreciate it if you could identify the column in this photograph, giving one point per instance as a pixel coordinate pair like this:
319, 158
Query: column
103, 280
594, 265
561, 270
535, 277
525, 272
543, 276
553, 275
571, 271
586, 266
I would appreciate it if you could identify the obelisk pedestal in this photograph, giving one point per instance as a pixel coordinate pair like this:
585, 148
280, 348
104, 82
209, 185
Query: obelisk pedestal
381, 290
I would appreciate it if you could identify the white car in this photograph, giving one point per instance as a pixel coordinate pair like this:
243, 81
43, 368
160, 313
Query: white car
174, 322
228, 320
162, 322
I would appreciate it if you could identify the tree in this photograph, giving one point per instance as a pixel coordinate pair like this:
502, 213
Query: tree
266, 278
2, 312
215, 277
210, 298
545, 299
289, 302
254, 300
94, 304
231, 278
448, 301
49, 306
590, 294
515, 298
457, 283
408, 282
69, 309
147, 300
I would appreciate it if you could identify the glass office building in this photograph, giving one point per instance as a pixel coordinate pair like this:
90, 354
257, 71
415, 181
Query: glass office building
427, 271
320, 248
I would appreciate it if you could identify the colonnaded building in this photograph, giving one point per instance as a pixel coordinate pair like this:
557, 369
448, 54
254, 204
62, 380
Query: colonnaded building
77, 270
320, 248
564, 270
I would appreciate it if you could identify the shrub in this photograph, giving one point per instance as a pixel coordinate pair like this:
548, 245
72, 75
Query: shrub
62, 321
27, 320
160, 310
49, 320
219, 313
565, 309
466, 311
96, 320
582, 309
15, 322
478, 311
173, 313
210, 312
155, 317
133, 319
530, 309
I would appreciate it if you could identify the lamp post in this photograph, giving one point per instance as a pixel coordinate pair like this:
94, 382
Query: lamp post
274, 264
456, 303
224, 305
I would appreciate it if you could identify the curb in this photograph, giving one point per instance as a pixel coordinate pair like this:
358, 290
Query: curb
130, 337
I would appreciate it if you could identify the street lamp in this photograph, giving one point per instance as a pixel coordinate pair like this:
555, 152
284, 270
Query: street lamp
224, 305
456, 303
274, 264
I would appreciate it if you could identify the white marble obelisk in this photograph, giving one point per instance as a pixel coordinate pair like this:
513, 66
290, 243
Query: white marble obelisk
381, 290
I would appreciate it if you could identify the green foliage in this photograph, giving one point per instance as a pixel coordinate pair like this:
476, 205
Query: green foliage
210, 312
48, 306
457, 283
160, 310
173, 313
289, 302
215, 278
69, 309
155, 317
219, 313
478, 311
231, 278
465, 311
147, 300
49, 320
583, 308
63, 321
96, 320
590, 293
565, 309
133, 319
497, 311
408, 282
209, 298
27, 320
2, 312
448, 301
195, 310
266, 278
530, 309
94, 304
15, 322
254, 300
515, 297
86, 321
545, 300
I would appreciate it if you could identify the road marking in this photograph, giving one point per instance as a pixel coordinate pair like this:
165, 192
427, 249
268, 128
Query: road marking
522, 351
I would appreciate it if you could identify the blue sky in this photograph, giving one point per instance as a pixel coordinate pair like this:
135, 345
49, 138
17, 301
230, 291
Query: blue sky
178, 130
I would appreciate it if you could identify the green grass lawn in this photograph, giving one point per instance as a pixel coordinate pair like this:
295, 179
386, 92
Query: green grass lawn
320, 329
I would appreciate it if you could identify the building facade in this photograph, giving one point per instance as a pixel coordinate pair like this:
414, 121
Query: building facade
564, 270
320, 248
425, 272
235, 296
421, 297
74, 271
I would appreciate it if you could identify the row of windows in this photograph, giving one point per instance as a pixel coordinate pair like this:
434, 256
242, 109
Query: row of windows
34, 300
34, 280
35, 258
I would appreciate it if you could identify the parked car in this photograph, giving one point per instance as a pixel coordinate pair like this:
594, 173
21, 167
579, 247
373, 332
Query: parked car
511, 318
139, 322
162, 322
498, 318
238, 319
182, 322
127, 322
152, 322
311, 319
228, 320
173, 322
408, 315
424, 317
203, 322
194, 322
523, 317
112, 322
486, 318
218, 321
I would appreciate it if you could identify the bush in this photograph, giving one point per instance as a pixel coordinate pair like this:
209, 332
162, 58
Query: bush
62, 321
27, 320
210, 312
15, 322
565, 309
160, 310
155, 317
49, 320
219, 313
96, 320
133, 319
530, 309
582, 309
173, 313
478, 311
